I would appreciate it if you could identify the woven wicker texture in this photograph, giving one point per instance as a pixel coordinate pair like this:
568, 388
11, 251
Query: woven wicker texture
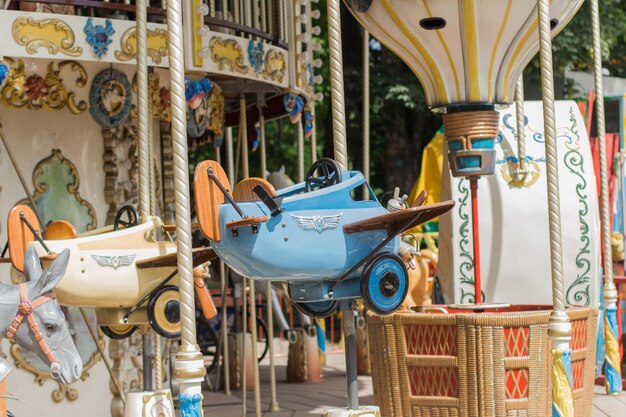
475, 364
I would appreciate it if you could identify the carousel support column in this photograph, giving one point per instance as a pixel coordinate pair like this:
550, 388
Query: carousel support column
268, 289
612, 364
366, 112
300, 149
353, 409
559, 326
521, 171
478, 294
313, 135
189, 368
143, 109
336, 83
230, 169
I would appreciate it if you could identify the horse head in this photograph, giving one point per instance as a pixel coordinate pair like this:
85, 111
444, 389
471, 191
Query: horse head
42, 314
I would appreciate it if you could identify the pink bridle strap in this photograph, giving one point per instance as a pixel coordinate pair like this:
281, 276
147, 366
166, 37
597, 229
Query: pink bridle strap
25, 310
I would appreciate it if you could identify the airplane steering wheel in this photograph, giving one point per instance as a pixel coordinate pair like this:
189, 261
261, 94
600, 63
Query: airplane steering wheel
126, 216
331, 174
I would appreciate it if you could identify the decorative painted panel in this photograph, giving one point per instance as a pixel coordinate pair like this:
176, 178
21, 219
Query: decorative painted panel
35, 91
42, 35
514, 220
56, 183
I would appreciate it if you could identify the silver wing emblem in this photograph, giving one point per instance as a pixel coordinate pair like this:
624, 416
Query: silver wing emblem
317, 223
114, 261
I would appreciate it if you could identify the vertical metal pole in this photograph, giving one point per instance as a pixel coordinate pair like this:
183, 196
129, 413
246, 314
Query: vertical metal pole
612, 368
300, 149
146, 342
478, 295
255, 355
559, 326
336, 83
366, 111
143, 109
350, 354
262, 145
224, 270
243, 145
521, 126
189, 368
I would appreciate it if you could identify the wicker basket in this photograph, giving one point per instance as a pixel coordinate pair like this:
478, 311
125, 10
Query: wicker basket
467, 364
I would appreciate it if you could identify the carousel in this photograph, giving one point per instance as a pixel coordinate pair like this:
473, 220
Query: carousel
148, 272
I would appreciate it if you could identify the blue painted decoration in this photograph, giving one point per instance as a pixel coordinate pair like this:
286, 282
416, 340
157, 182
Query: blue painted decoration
196, 91
99, 36
308, 124
293, 106
190, 405
5, 73
257, 139
110, 98
255, 55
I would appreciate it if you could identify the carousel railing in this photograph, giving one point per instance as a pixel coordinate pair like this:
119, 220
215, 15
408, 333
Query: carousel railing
261, 19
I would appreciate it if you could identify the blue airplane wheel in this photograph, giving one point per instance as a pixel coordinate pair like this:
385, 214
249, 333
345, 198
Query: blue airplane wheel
318, 309
384, 284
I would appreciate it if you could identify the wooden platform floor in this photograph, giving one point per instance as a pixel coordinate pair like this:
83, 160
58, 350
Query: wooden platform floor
312, 400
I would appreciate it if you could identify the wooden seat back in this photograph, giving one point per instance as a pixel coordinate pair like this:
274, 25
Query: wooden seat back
243, 190
60, 230
209, 198
19, 234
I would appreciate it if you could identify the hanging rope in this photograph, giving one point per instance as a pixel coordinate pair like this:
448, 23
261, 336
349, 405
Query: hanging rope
143, 109
521, 126
336, 83
366, 111
612, 368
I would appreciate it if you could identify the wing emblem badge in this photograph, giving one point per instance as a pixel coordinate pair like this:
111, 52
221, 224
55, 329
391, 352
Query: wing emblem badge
317, 223
114, 261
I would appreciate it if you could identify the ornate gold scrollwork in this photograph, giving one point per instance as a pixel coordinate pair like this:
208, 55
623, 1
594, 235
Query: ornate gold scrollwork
275, 66
509, 173
35, 92
227, 53
215, 122
159, 98
157, 45
52, 34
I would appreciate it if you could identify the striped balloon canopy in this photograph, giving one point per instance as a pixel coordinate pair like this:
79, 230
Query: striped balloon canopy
462, 51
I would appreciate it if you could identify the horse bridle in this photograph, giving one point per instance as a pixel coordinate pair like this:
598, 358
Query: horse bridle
25, 309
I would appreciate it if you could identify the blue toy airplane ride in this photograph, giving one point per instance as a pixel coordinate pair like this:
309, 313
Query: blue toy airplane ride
319, 236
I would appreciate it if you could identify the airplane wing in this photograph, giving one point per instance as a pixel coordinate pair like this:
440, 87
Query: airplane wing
396, 222
200, 256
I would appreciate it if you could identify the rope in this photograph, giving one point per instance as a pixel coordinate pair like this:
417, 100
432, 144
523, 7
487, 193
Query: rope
143, 108
552, 170
158, 366
181, 174
521, 136
609, 285
366, 111
336, 83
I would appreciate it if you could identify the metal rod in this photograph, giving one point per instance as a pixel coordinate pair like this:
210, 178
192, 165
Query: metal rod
244, 337
255, 355
146, 356
104, 357
224, 328
366, 112
30, 198
35, 233
521, 126
612, 368
269, 299
336, 83
300, 149
143, 108
478, 295
350, 355
225, 192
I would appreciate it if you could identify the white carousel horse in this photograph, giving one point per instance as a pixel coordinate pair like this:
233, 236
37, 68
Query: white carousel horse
30, 315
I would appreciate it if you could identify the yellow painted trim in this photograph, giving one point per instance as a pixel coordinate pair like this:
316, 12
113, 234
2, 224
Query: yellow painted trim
401, 56
469, 16
440, 87
495, 49
447, 50
197, 39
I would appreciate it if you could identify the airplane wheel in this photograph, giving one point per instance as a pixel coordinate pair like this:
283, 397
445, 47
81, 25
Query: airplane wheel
384, 283
119, 331
164, 312
318, 309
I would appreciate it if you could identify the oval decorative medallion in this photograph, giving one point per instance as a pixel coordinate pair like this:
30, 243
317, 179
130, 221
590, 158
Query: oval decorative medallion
110, 98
